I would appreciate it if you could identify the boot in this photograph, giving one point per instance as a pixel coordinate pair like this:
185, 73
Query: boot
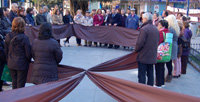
1, 85
168, 78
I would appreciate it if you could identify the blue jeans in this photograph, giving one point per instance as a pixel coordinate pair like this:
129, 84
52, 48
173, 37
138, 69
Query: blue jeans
143, 71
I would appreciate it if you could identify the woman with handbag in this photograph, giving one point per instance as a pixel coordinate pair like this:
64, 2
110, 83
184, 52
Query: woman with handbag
18, 52
160, 67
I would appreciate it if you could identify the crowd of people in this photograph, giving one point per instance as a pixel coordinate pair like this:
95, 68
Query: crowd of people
17, 52
152, 33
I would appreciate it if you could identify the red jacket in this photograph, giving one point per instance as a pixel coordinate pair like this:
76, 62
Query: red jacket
165, 30
98, 20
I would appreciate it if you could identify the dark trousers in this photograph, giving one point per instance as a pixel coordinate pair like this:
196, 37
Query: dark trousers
78, 41
143, 70
18, 78
160, 74
1, 72
169, 67
184, 61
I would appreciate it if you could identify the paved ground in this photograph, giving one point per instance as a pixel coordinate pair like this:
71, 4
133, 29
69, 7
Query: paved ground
86, 57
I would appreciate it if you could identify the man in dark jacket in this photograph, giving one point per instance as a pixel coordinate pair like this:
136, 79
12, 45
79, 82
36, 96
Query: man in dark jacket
5, 26
115, 21
40, 18
146, 47
123, 18
13, 12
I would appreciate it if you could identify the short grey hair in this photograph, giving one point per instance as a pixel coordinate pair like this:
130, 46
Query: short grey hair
45, 7
148, 16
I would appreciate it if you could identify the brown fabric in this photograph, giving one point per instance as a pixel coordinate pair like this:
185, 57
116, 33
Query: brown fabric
147, 44
104, 34
123, 63
63, 71
49, 92
127, 91
70, 77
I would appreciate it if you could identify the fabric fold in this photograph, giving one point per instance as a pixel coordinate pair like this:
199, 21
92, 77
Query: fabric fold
127, 91
48, 92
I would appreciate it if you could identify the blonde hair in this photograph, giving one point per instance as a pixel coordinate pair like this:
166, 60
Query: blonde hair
173, 23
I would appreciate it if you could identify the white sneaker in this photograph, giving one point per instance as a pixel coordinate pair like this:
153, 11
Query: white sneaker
157, 86
163, 86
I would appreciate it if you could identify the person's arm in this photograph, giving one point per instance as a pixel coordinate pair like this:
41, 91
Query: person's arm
6, 45
27, 47
126, 22
141, 40
58, 53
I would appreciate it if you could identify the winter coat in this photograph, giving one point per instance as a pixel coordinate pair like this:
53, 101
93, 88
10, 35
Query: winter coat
67, 19
40, 18
123, 19
5, 26
47, 54
147, 44
57, 19
174, 43
98, 20
18, 51
30, 19
12, 15
188, 36
87, 21
116, 19
132, 22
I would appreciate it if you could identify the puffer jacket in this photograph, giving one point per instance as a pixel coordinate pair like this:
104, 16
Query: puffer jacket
18, 51
47, 54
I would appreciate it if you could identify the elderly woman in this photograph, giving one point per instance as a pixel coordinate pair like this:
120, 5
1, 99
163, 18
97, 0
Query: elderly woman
175, 30
47, 55
18, 52
78, 19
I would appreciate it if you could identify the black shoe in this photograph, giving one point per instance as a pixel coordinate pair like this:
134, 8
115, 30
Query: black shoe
175, 77
110, 46
85, 45
116, 46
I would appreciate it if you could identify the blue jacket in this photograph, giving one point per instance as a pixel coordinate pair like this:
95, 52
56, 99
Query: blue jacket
132, 22
30, 19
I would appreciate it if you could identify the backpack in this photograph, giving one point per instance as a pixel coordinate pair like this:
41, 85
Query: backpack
165, 49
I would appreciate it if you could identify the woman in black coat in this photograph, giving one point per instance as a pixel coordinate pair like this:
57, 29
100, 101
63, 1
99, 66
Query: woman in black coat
18, 52
47, 54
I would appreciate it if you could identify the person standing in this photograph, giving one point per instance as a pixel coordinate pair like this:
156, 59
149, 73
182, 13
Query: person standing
5, 26
29, 17
47, 55
57, 18
18, 52
98, 21
155, 19
132, 20
146, 47
67, 19
78, 19
47, 14
186, 47
40, 18
123, 18
88, 21
2, 60
164, 14
175, 30
21, 13
115, 21
13, 12
160, 67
